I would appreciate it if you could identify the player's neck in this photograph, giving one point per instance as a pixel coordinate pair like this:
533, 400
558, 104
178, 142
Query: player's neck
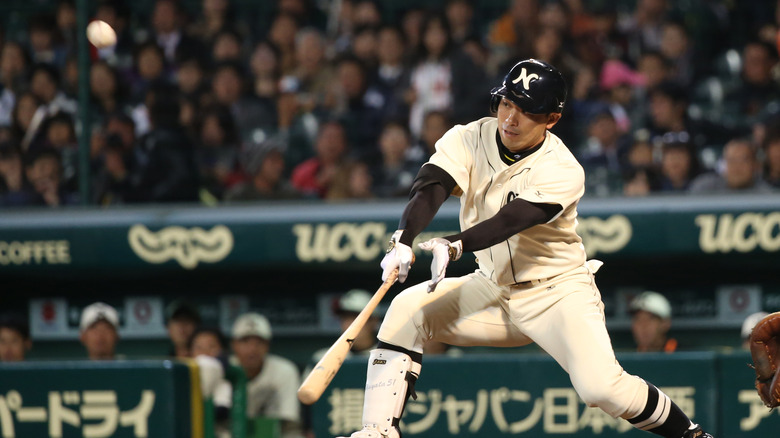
510, 157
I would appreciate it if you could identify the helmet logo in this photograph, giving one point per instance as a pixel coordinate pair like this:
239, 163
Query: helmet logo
526, 78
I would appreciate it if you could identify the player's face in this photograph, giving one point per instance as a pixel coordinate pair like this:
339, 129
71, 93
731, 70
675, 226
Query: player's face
12, 345
250, 352
180, 330
206, 343
649, 331
520, 130
100, 340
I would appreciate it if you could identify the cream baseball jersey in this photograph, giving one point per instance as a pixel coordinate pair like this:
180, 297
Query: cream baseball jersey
470, 154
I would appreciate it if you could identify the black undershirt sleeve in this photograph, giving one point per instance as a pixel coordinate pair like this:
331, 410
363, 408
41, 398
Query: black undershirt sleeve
430, 189
511, 219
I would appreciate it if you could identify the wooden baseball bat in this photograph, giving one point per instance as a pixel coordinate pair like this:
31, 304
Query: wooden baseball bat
320, 377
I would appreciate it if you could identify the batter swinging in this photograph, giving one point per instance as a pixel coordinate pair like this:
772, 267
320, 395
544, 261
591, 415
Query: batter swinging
519, 187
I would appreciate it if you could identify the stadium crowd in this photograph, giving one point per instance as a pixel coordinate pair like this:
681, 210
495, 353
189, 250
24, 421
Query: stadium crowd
212, 101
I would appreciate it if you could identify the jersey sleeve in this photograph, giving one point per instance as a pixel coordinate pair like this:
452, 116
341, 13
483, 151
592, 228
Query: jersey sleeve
454, 156
555, 182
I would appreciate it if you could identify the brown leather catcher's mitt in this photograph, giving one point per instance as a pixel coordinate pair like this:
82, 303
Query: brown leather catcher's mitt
765, 349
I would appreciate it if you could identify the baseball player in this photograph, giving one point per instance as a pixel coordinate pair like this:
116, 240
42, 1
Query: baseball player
519, 187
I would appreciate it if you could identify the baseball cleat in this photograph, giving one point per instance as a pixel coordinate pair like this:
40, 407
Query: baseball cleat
696, 432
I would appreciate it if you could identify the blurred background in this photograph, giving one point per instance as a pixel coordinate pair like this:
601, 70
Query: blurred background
227, 157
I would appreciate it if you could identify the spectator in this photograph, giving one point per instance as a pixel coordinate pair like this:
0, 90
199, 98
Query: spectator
651, 319
207, 341
44, 40
113, 150
99, 331
297, 128
392, 73
265, 69
45, 173
58, 132
307, 13
13, 66
228, 46
117, 15
511, 36
149, 67
433, 86
668, 113
24, 111
435, 124
606, 145
364, 46
619, 83
654, 67
212, 343
272, 380
398, 169
747, 327
191, 77
167, 26
644, 26
360, 106
250, 113
181, 320
264, 164
603, 154
107, 94
640, 181
411, 24
165, 170
679, 166
15, 340
216, 150
676, 48
366, 13
757, 87
15, 190
352, 180
313, 75
740, 172
45, 84
315, 175
460, 15
771, 171
282, 34
215, 16
640, 153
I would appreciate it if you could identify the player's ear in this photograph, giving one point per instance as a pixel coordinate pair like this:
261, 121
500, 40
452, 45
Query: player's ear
552, 119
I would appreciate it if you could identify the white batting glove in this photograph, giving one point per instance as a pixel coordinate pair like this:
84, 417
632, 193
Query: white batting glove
398, 256
443, 251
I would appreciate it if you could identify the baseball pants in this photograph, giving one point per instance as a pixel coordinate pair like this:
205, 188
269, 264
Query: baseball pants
564, 315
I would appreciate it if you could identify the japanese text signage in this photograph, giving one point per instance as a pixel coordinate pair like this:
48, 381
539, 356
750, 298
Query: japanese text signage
95, 400
530, 394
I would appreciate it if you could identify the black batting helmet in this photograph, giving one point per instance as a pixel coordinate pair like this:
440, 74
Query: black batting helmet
535, 86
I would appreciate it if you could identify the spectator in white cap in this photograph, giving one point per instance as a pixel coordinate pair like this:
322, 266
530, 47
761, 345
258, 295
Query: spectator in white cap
747, 327
99, 331
651, 319
273, 381
346, 308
